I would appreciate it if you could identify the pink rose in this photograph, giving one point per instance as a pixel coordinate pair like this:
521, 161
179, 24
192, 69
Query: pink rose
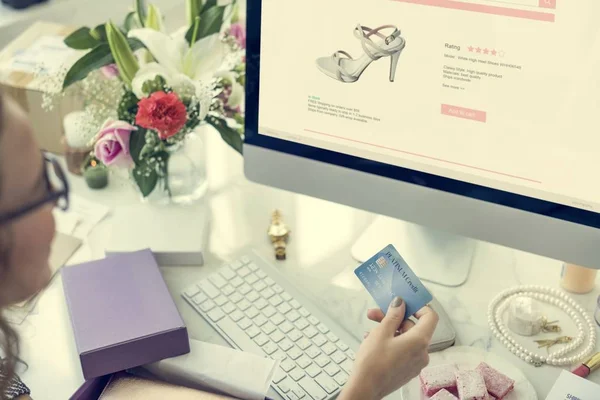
238, 31
112, 144
110, 71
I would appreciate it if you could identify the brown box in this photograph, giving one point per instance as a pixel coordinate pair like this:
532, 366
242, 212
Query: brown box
40, 46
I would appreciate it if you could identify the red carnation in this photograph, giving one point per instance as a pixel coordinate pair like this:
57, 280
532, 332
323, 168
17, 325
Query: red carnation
163, 112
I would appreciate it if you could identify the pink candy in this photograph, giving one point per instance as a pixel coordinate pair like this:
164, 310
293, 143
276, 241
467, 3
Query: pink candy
471, 385
444, 395
498, 384
434, 379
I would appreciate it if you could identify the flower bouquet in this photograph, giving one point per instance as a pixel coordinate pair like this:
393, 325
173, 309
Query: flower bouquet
147, 90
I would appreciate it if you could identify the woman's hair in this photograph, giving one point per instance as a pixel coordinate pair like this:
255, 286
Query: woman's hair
9, 340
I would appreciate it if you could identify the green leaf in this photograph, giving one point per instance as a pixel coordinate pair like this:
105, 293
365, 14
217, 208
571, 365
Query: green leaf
137, 141
211, 21
130, 22
99, 33
145, 178
140, 9
97, 58
81, 39
208, 4
128, 107
232, 137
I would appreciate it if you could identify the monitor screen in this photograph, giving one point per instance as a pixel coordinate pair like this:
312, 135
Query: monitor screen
494, 99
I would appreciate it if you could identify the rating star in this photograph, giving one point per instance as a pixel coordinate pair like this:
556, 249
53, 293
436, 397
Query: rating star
494, 52
486, 51
479, 49
471, 48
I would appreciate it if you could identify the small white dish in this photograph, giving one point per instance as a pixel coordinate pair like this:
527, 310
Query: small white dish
469, 358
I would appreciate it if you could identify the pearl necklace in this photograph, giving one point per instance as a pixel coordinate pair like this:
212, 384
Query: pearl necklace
552, 296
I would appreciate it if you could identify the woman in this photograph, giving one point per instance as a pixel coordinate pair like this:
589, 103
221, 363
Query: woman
31, 186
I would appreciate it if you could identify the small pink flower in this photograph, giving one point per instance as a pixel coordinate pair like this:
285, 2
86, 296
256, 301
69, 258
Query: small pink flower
110, 71
112, 144
238, 31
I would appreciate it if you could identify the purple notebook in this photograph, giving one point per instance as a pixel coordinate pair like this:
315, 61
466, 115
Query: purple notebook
122, 314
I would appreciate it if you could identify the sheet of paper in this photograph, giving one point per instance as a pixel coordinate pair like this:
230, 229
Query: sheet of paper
87, 213
219, 368
65, 221
571, 387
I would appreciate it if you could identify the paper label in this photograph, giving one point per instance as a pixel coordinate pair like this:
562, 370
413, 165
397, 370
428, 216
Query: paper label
572, 387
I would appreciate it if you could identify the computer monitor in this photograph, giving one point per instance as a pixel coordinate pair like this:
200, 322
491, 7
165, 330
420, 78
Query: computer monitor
465, 118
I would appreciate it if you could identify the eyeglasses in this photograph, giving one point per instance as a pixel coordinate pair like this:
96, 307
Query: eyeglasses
57, 192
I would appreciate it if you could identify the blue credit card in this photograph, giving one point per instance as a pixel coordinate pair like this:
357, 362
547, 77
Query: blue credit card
386, 275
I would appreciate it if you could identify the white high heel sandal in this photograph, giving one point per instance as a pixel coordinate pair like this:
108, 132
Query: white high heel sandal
342, 67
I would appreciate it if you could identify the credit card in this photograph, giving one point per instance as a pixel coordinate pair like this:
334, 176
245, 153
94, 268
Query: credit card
386, 275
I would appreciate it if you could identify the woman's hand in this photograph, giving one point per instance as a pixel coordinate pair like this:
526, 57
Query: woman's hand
392, 354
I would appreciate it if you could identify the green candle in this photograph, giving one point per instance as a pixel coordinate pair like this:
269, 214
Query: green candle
96, 175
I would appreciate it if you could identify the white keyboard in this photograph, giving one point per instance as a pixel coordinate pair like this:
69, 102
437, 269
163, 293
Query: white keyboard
249, 307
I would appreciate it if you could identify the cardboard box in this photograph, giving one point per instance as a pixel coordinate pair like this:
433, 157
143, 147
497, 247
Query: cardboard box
122, 314
37, 52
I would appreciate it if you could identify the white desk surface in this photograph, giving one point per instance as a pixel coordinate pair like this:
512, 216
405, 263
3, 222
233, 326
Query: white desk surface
319, 260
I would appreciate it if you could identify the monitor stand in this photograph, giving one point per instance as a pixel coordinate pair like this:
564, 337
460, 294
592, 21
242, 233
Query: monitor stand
433, 255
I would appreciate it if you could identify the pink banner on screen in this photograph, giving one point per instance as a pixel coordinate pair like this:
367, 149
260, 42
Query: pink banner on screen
462, 112
487, 9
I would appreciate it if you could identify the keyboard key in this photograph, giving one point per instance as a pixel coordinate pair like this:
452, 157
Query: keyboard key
313, 352
343, 346
347, 366
269, 281
261, 303
287, 365
313, 320
244, 305
253, 296
286, 327
228, 308
312, 389
297, 374
332, 369
322, 360
322, 328
215, 314
252, 312
320, 340
236, 315
277, 336
253, 267
279, 375
295, 335
228, 290
277, 289
199, 298
237, 264
329, 348
207, 306
269, 311
259, 286
292, 316
245, 259
243, 272
251, 279
217, 280
253, 331
313, 370
277, 319
286, 296
332, 338
279, 355
209, 289
261, 339
295, 353
304, 343
241, 340
284, 385
236, 297
259, 320
297, 394
268, 328
221, 300
276, 300
285, 344
294, 303
284, 308
341, 378
304, 312
245, 289
267, 293
270, 348
311, 332
237, 281
327, 383
227, 273
301, 324
192, 291
244, 323
338, 357
350, 354
261, 274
